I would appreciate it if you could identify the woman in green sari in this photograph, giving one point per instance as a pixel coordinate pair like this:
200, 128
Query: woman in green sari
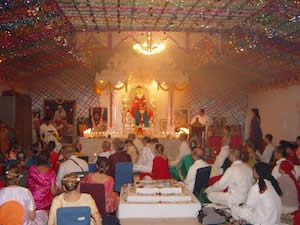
180, 171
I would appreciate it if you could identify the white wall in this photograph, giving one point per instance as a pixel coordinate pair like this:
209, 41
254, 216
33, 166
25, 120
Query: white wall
280, 112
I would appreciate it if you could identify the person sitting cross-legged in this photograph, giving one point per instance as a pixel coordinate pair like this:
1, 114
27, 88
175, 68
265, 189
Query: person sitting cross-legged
263, 205
144, 162
237, 178
198, 156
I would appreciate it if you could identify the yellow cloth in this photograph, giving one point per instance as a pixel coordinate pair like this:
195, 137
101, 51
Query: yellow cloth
132, 152
59, 202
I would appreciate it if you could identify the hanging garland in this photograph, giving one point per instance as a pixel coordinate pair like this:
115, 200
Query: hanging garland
98, 88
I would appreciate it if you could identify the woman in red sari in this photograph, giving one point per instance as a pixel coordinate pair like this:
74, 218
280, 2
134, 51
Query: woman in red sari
41, 182
160, 168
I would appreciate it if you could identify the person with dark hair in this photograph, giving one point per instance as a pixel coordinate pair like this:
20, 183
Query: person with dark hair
255, 133
101, 177
237, 178
144, 162
48, 132
279, 156
41, 182
160, 168
298, 141
291, 153
154, 142
13, 192
269, 149
120, 156
199, 162
180, 170
291, 189
263, 205
73, 198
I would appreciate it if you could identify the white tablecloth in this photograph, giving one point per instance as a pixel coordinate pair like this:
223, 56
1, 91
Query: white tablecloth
90, 146
188, 209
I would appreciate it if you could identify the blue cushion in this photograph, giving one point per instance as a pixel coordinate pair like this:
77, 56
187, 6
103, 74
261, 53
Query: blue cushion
92, 167
74, 215
124, 174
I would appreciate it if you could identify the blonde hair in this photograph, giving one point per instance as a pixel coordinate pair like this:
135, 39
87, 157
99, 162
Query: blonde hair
70, 182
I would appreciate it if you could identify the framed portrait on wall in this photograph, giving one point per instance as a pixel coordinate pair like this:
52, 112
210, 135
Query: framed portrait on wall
99, 118
163, 125
182, 118
62, 113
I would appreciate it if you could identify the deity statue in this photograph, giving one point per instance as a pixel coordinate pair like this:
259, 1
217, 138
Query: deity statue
139, 110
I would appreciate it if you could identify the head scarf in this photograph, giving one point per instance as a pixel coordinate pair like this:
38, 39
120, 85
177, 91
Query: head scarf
288, 167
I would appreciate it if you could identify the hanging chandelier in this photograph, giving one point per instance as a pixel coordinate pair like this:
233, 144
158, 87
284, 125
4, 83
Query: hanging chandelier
149, 48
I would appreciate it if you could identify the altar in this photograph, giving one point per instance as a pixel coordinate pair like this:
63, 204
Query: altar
92, 146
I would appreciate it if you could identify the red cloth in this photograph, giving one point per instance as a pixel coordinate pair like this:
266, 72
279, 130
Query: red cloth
297, 218
236, 141
214, 180
293, 159
160, 169
1, 184
114, 159
287, 167
54, 161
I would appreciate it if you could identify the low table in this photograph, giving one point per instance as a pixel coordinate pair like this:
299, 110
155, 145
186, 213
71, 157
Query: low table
188, 209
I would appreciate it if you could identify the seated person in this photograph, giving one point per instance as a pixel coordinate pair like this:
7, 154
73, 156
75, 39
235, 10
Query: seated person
120, 156
106, 151
224, 153
291, 154
269, 149
279, 157
132, 150
184, 149
180, 171
13, 192
41, 182
71, 165
237, 178
160, 169
137, 142
263, 205
154, 142
253, 157
145, 160
198, 156
290, 188
101, 177
73, 198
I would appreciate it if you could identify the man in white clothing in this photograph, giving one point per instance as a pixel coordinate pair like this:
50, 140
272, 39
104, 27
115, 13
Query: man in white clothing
269, 149
184, 149
198, 156
202, 118
145, 159
224, 153
71, 165
237, 178
48, 132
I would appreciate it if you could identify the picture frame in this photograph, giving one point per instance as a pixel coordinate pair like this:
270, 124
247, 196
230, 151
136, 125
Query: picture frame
163, 125
63, 116
182, 118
